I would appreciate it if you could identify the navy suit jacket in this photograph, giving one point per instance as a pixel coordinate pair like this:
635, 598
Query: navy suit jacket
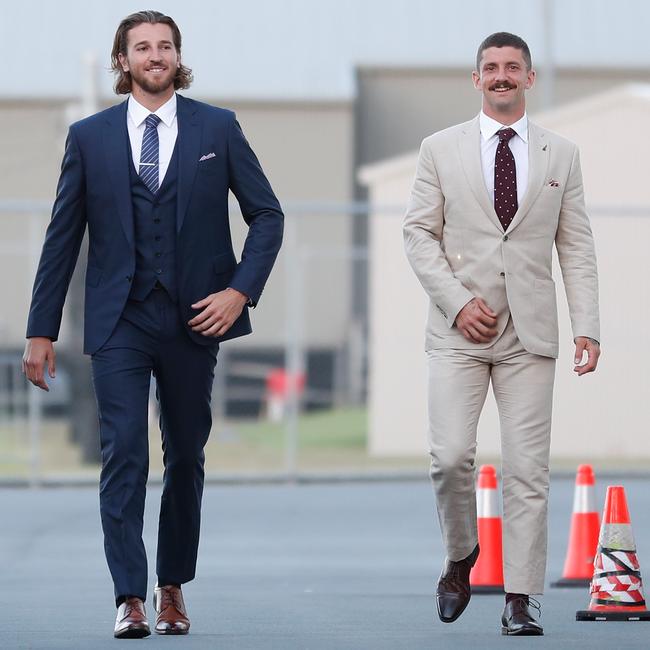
94, 191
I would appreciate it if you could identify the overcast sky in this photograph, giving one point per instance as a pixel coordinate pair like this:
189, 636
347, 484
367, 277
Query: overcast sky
307, 49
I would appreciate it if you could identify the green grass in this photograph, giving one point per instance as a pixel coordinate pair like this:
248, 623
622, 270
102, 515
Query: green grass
328, 441
339, 429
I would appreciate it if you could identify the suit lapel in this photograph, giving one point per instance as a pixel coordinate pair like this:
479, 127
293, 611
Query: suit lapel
470, 154
539, 149
116, 151
189, 146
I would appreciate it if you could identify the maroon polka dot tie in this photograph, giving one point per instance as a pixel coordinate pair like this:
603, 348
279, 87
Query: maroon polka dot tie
505, 179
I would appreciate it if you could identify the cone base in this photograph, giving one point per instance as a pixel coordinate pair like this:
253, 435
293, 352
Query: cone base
487, 589
601, 615
572, 582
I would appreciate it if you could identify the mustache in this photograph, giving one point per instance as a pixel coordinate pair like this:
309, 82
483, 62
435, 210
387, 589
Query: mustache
502, 84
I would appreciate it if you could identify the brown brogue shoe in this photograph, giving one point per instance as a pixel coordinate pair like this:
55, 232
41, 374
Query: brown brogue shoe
453, 591
131, 621
171, 615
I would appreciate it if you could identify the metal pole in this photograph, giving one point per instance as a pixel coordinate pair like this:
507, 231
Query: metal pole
34, 398
34, 427
294, 353
90, 90
548, 87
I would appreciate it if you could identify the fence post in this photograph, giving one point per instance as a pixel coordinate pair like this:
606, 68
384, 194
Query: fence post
34, 398
294, 352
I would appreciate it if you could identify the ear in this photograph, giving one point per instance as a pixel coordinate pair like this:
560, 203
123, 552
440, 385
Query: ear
476, 80
124, 62
530, 79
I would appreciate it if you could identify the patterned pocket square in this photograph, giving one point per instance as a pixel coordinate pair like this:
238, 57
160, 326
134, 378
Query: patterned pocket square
553, 183
207, 156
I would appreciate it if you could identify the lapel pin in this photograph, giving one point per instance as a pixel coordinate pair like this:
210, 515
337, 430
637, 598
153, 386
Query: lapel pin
544, 147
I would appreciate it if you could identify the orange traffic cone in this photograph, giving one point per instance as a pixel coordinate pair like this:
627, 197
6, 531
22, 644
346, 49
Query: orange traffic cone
583, 536
616, 587
486, 576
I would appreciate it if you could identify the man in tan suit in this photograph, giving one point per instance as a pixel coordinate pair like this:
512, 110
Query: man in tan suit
490, 199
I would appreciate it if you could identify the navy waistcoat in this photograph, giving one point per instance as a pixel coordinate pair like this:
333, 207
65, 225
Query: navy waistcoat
154, 217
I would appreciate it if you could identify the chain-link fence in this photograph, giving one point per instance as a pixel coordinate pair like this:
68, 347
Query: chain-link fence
290, 399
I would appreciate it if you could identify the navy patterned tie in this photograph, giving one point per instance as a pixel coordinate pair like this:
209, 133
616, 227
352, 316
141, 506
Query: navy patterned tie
149, 154
505, 179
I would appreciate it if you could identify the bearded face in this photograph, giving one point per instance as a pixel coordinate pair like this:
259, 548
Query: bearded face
151, 59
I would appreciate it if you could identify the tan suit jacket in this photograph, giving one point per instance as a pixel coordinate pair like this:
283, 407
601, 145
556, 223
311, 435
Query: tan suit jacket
458, 249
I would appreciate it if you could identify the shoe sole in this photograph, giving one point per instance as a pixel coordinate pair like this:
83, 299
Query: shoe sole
171, 632
135, 633
522, 632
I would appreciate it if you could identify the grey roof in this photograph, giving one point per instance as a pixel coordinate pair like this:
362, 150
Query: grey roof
307, 49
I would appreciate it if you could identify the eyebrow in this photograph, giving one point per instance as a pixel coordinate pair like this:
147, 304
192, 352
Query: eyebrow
506, 63
164, 42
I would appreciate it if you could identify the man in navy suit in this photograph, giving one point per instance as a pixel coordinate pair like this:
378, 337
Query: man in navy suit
150, 178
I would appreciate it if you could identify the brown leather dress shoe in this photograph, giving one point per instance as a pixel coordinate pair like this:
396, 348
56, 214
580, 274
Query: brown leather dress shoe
453, 592
131, 621
517, 619
171, 616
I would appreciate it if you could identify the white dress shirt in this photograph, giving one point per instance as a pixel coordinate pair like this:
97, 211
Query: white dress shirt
167, 132
518, 145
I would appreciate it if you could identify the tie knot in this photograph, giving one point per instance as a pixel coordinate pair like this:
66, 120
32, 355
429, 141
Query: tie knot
505, 135
152, 121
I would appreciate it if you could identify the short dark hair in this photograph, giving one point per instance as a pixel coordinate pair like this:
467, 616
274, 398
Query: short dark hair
504, 39
183, 77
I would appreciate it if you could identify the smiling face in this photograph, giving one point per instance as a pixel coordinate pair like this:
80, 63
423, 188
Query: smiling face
503, 79
151, 59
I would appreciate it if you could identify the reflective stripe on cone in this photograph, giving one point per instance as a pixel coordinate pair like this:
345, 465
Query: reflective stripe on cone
583, 535
487, 574
616, 587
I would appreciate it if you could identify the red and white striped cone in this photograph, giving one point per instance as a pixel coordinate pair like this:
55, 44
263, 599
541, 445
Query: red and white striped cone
583, 536
616, 587
486, 576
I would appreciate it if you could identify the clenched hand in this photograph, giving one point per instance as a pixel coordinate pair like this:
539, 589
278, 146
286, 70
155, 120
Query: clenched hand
218, 312
592, 348
477, 322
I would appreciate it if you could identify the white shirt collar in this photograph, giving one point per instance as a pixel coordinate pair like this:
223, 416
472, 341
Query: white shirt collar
489, 127
138, 113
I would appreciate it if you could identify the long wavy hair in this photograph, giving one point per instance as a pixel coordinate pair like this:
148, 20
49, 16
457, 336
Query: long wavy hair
183, 77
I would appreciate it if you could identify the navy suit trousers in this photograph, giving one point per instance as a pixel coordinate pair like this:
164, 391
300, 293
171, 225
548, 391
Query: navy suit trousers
150, 338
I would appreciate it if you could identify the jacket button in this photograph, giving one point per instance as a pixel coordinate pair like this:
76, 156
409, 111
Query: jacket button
502, 274
128, 278
505, 238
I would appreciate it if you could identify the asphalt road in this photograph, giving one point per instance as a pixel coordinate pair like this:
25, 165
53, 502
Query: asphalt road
321, 566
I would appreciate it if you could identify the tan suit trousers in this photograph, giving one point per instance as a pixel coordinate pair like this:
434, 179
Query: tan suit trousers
523, 388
